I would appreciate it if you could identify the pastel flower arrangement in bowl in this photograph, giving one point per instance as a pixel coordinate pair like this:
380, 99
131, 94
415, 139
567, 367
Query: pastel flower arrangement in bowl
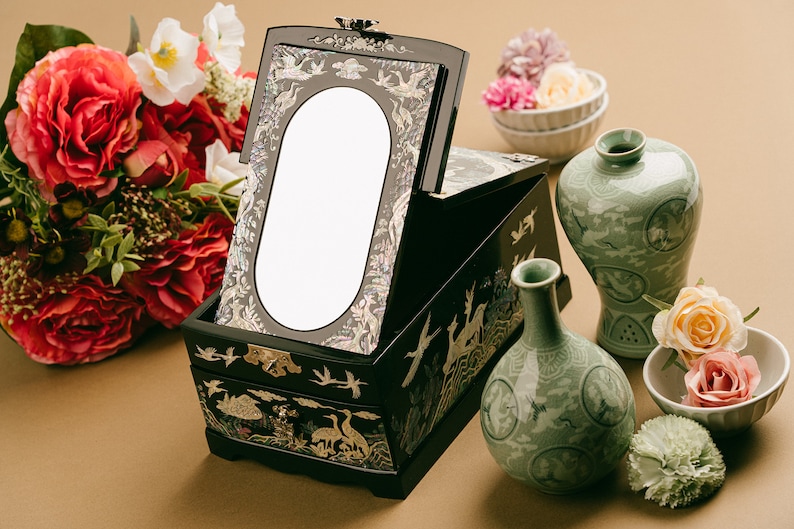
732, 374
119, 183
541, 102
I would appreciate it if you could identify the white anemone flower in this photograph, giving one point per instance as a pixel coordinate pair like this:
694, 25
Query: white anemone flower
223, 35
167, 70
223, 167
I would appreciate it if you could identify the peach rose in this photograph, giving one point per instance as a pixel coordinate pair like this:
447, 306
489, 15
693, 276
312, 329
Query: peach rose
721, 378
562, 84
76, 118
700, 321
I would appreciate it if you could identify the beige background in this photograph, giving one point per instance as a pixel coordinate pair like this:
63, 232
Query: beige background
121, 443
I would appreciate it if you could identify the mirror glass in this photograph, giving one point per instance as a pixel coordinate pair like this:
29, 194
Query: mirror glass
322, 208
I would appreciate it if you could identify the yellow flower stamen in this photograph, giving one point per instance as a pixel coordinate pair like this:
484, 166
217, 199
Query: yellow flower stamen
73, 209
165, 57
17, 232
55, 256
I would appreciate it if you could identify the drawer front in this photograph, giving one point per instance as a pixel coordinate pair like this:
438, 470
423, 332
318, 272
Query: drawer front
280, 420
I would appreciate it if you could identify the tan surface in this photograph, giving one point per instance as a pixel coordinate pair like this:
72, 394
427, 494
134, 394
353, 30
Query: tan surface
121, 443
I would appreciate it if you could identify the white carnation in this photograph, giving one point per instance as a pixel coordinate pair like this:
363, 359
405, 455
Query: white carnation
675, 460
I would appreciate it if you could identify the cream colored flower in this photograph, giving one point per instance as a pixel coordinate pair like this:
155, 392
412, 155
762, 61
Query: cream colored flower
700, 321
232, 91
675, 460
167, 70
562, 84
224, 167
223, 35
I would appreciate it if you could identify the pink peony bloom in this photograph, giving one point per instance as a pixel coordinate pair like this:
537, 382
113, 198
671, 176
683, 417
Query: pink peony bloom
721, 378
509, 93
528, 54
75, 119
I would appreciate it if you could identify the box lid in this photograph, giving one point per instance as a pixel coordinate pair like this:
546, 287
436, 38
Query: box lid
347, 125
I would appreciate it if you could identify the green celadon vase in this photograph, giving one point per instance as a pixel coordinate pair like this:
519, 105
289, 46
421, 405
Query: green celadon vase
630, 207
557, 411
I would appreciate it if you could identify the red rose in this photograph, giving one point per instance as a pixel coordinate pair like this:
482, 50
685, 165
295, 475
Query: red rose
236, 130
185, 273
76, 117
88, 323
174, 138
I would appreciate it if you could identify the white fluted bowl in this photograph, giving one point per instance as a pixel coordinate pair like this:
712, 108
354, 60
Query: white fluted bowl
558, 145
667, 387
539, 120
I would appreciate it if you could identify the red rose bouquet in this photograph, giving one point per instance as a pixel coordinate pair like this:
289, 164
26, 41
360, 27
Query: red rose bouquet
119, 182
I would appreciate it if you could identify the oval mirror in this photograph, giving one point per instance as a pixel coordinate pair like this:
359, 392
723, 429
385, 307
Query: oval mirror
322, 209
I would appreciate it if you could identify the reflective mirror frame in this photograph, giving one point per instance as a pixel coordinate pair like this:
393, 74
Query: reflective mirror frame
417, 85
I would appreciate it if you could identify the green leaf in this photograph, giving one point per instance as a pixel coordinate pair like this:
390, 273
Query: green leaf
672, 360
34, 43
658, 303
750, 316
125, 246
202, 188
160, 192
109, 209
135, 37
229, 185
129, 266
92, 262
97, 222
111, 241
179, 182
116, 271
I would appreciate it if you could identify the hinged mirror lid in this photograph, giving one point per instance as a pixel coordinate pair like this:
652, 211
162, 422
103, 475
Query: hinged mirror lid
441, 92
345, 125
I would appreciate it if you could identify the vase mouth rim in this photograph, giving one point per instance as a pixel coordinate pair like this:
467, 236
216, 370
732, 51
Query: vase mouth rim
621, 146
537, 272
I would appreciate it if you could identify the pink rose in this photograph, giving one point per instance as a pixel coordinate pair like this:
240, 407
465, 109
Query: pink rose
509, 93
185, 273
89, 322
721, 378
76, 117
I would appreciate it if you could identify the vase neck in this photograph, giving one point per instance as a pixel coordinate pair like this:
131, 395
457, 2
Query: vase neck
536, 280
620, 147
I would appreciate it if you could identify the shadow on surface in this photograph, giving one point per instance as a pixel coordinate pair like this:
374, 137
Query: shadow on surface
251, 494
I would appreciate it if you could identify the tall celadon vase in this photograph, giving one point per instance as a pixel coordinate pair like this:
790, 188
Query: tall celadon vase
630, 206
557, 411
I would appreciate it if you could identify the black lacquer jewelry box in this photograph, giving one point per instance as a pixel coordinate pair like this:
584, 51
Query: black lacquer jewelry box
367, 291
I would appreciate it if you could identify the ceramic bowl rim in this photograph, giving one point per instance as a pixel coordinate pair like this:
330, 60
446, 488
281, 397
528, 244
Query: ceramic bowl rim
775, 386
599, 91
562, 130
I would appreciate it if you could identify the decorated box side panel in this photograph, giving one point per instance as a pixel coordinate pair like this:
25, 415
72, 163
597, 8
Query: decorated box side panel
463, 330
284, 421
277, 363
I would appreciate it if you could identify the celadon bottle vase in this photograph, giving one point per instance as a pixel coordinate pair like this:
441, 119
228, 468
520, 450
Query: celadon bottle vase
630, 207
557, 411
